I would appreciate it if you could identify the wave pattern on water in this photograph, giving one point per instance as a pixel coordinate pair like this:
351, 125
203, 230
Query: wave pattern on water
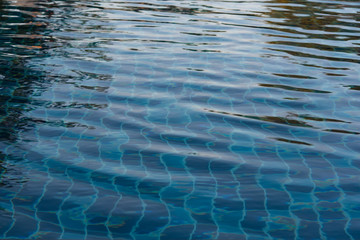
179, 119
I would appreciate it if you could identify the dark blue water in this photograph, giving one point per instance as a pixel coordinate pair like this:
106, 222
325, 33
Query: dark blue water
179, 119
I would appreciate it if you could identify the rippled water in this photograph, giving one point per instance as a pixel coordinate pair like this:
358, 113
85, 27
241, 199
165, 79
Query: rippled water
180, 119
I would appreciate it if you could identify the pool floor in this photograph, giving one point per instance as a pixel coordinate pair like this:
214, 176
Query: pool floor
179, 119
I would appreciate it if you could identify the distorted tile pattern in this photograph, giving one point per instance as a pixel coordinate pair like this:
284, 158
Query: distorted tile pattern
179, 120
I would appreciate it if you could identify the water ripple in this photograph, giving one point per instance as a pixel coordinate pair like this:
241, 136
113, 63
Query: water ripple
179, 119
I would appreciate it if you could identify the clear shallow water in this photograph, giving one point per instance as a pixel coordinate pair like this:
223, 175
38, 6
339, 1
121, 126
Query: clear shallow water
180, 119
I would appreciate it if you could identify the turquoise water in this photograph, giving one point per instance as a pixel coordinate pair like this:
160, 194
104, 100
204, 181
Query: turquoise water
180, 119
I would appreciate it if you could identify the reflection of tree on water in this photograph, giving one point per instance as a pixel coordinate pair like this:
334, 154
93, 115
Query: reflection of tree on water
31, 67
310, 15
315, 43
313, 20
25, 39
22, 39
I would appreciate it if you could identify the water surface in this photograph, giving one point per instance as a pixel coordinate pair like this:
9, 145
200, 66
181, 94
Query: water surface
179, 119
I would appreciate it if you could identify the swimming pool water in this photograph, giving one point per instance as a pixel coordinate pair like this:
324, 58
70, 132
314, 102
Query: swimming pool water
179, 119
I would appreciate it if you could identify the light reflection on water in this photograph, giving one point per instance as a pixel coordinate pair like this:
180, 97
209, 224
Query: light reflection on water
179, 119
